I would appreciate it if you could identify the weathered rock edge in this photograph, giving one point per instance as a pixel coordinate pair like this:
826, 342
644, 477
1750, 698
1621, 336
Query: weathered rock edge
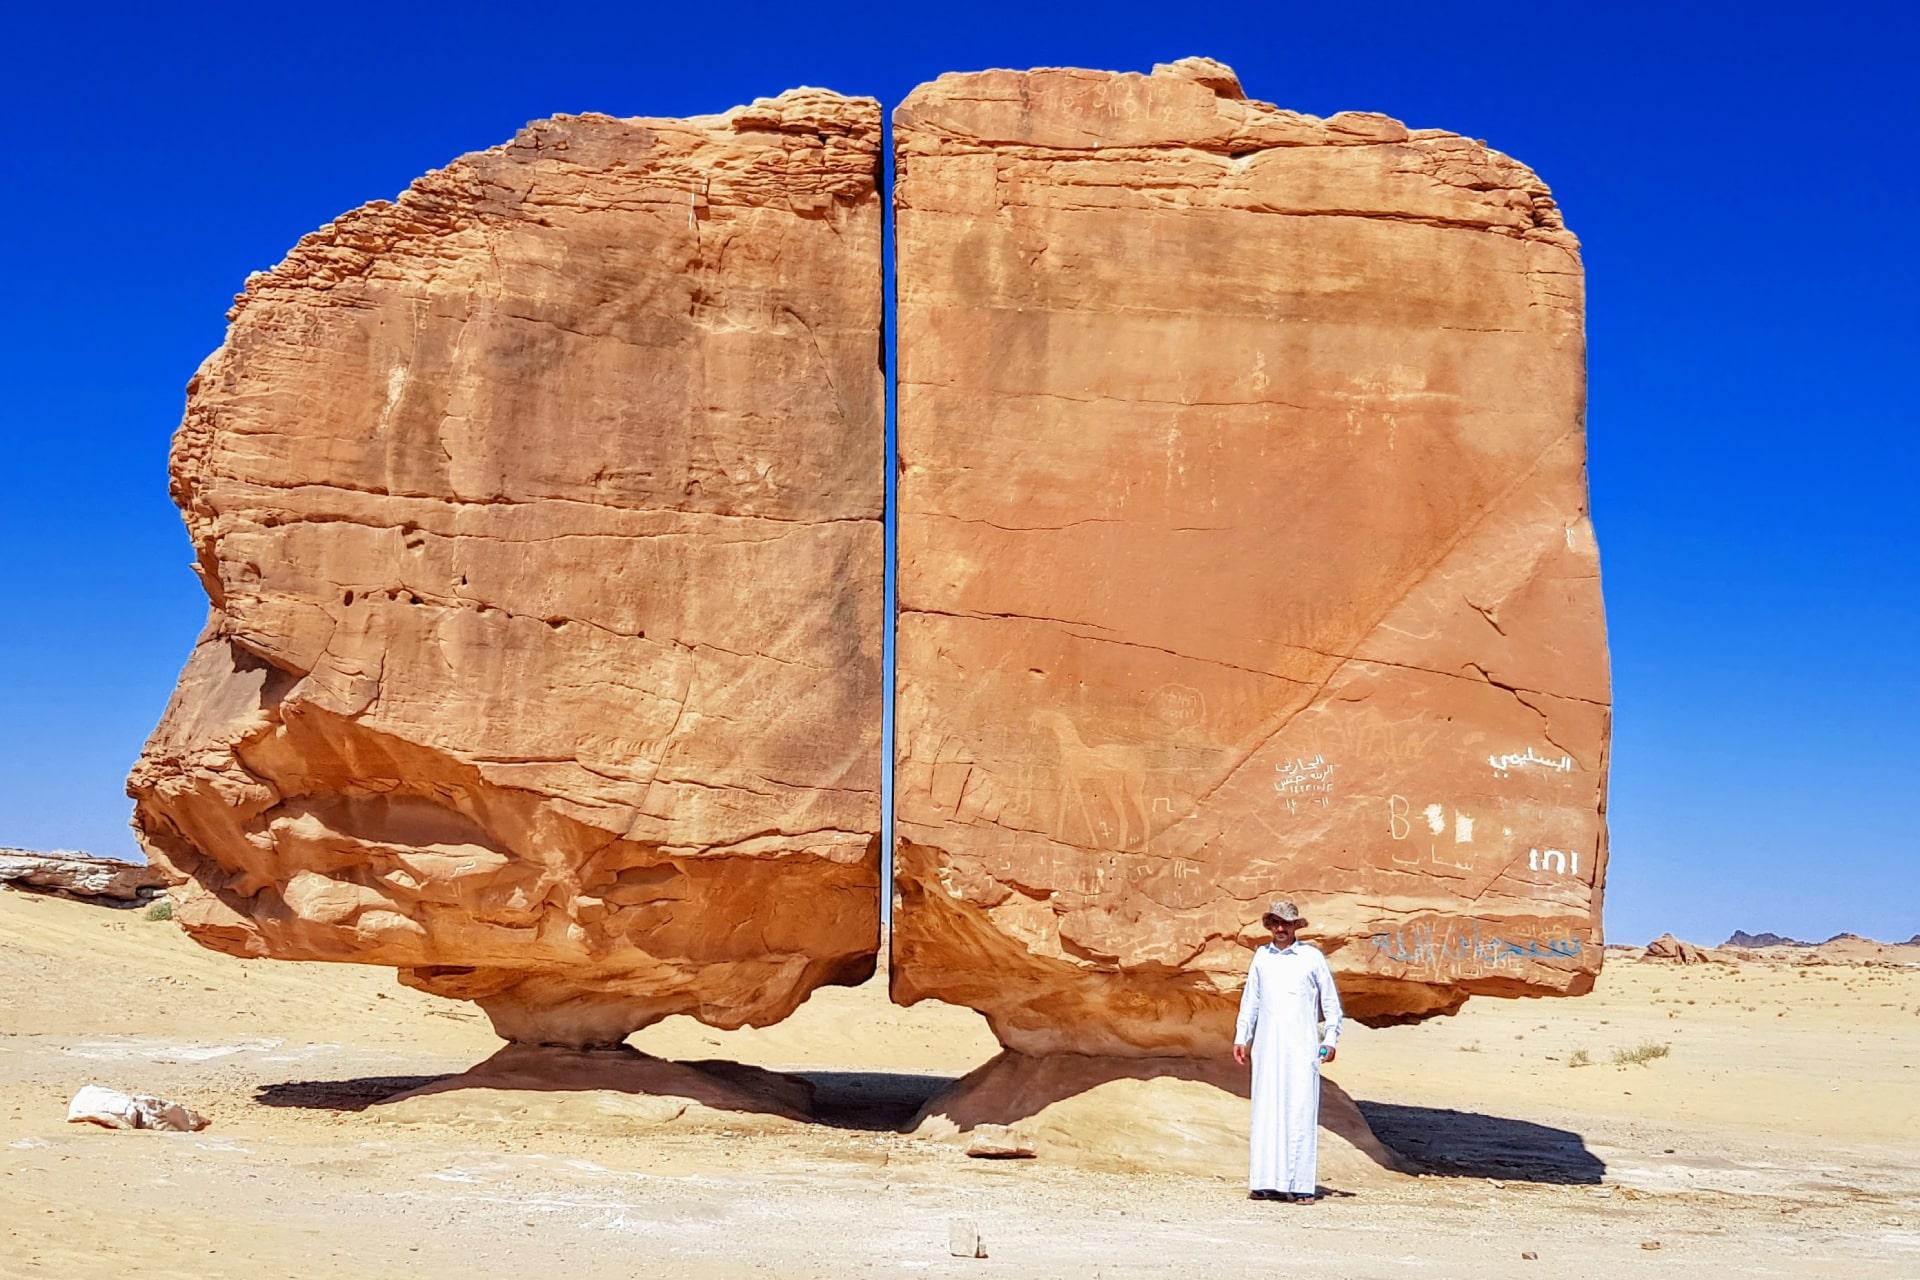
539, 512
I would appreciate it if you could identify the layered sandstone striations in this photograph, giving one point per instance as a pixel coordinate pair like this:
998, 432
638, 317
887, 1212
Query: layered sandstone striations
1243, 549
72, 874
540, 513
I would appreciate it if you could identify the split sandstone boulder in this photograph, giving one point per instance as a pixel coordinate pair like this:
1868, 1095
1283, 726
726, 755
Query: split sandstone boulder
1244, 550
540, 515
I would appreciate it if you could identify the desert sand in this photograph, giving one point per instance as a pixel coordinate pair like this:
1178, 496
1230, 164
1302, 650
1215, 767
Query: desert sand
1779, 1136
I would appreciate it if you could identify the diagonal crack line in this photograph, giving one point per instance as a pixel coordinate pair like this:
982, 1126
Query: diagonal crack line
1484, 678
931, 828
1023, 528
1515, 689
1487, 613
1546, 721
1068, 625
666, 749
1416, 579
1015, 617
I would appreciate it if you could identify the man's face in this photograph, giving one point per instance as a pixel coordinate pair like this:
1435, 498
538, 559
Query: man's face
1283, 931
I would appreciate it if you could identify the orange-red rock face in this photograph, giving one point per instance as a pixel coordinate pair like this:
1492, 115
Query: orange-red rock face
540, 512
1244, 551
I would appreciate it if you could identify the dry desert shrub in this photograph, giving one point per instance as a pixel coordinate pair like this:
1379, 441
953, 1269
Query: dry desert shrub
1641, 1055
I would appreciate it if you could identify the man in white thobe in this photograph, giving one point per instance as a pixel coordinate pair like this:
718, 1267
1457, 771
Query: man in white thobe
1288, 996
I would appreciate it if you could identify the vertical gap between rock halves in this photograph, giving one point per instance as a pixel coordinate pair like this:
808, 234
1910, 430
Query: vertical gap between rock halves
890, 360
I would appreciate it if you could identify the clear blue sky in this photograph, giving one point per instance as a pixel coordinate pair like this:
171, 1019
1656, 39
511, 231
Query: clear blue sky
1742, 181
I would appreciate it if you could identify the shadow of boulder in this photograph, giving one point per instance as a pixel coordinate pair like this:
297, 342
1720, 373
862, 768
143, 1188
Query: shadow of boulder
872, 1101
351, 1095
543, 1087
557, 1086
1469, 1144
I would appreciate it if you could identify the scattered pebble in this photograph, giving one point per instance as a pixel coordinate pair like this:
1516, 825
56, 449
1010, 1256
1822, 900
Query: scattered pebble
999, 1142
963, 1239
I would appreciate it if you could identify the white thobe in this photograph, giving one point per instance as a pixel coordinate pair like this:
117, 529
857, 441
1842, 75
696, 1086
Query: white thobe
1287, 996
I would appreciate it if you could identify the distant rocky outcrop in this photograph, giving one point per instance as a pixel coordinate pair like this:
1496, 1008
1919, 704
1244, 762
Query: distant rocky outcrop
81, 875
1842, 948
1671, 949
1741, 938
1852, 948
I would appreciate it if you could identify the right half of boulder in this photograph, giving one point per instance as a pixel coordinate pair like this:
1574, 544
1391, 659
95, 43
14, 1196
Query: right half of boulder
1244, 552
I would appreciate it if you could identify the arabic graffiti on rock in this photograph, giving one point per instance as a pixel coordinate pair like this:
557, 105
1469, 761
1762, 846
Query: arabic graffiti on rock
1463, 946
1514, 760
1304, 780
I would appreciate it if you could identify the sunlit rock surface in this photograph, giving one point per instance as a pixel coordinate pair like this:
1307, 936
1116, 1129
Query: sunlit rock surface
540, 514
1243, 550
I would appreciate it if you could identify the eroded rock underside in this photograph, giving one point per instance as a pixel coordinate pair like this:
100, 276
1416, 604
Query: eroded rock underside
540, 513
1243, 550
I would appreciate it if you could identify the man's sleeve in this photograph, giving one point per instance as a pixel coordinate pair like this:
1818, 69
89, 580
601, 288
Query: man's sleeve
1249, 1004
1330, 1011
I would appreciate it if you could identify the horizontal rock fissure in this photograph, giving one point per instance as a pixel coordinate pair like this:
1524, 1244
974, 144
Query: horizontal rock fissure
536, 500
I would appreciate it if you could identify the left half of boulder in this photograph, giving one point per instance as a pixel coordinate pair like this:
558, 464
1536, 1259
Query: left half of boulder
540, 512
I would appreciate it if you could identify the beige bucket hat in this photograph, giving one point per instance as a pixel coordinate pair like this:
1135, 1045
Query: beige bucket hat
1283, 909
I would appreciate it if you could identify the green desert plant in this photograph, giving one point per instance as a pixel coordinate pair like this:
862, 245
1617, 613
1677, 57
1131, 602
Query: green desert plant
161, 910
1642, 1054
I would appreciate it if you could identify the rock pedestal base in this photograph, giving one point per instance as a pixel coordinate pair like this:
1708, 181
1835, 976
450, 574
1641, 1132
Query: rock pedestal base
540, 1087
1146, 1115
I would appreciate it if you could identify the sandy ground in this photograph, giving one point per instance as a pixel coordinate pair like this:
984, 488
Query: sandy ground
1779, 1136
